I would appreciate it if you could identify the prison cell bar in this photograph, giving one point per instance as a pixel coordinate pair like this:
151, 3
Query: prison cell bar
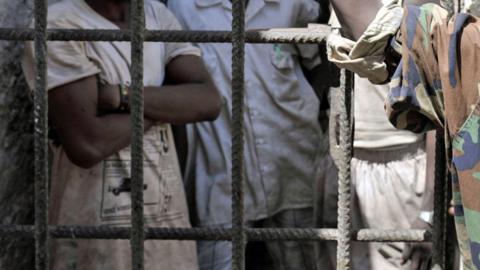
41, 231
239, 238
440, 202
220, 234
441, 194
345, 156
41, 138
286, 35
137, 28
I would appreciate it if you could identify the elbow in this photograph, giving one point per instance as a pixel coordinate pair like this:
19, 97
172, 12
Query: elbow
214, 108
214, 111
210, 108
211, 116
84, 155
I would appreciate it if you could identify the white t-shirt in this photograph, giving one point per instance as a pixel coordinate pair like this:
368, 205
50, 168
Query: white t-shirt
372, 128
101, 195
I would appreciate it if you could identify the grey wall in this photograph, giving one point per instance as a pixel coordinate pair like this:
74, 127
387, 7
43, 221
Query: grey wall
16, 192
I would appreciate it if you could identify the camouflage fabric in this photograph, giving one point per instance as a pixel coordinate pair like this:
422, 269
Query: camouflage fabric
437, 85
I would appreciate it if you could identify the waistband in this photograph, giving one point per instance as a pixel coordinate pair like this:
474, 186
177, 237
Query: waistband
388, 155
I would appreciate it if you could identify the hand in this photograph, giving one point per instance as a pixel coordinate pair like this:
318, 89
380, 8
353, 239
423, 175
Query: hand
108, 98
418, 254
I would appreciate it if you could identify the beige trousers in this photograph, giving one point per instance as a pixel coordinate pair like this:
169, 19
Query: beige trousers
387, 189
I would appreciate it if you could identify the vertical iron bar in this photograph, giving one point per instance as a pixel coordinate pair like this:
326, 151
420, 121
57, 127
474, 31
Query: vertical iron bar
439, 203
450, 237
344, 190
238, 62
41, 138
137, 26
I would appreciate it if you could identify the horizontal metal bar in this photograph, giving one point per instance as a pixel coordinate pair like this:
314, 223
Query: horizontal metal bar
219, 234
313, 34
272, 234
109, 232
373, 235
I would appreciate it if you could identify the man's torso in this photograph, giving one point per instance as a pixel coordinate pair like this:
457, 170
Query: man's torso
281, 129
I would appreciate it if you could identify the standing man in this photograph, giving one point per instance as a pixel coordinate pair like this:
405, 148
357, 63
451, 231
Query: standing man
88, 94
283, 137
433, 63
389, 173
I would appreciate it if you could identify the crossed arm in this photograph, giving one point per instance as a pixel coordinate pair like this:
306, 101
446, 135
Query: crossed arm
88, 137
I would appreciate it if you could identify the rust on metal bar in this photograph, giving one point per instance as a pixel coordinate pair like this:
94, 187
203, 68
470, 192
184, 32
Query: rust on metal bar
316, 34
41, 137
219, 234
137, 33
239, 238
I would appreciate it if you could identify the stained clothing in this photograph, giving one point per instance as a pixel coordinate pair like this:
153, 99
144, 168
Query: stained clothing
283, 138
101, 195
392, 182
437, 85
388, 164
282, 134
388, 174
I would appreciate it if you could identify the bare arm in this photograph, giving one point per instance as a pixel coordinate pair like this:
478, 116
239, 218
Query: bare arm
355, 15
191, 95
86, 137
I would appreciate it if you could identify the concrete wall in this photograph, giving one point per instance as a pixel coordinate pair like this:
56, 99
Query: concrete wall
16, 140
16, 158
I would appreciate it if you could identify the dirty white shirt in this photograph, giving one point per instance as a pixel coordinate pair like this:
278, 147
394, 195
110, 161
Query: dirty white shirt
101, 195
373, 130
282, 134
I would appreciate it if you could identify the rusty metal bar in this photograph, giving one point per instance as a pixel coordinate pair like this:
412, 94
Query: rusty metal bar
345, 157
239, 239
218, 234
41, 138
311, 35
137, 28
